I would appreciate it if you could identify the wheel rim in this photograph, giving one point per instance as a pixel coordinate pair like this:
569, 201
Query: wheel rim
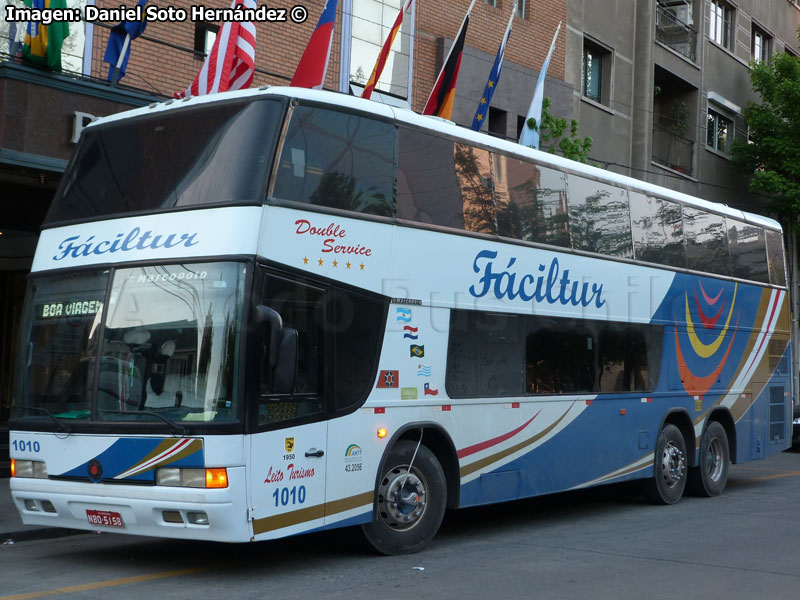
673, 464
402, 497
714, 462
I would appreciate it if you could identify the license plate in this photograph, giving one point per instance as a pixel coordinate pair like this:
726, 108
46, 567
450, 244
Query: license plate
104, 517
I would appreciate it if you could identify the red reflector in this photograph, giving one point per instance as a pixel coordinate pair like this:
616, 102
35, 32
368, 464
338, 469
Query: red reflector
446, 407
515, 405
380, 411
623, 412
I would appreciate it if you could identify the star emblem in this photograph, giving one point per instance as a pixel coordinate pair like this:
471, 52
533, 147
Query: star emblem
348, 264
305, 260
321, 262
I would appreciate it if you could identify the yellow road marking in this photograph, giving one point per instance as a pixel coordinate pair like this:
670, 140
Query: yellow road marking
98, 585
764, 478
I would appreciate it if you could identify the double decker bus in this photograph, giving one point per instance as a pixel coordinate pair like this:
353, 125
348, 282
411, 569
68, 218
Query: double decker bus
269, 312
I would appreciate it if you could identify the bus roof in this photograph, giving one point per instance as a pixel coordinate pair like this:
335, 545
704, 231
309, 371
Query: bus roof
450, 129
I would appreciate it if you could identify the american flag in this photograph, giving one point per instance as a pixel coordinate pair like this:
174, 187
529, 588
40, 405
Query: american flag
231, 63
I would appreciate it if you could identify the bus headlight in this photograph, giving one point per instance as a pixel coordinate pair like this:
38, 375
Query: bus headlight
28, 468
196, 478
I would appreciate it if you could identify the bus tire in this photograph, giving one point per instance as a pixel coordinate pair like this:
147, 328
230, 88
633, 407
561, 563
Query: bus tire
709, 477
669, 473
409, 509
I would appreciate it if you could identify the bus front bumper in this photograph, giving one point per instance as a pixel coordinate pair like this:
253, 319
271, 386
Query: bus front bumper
161, 511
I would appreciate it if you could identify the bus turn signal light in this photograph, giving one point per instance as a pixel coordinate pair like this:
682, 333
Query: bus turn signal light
216, 478
382, 433
13, 467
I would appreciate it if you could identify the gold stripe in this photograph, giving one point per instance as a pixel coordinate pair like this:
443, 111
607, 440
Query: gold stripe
165, 445
480, 464
296, 517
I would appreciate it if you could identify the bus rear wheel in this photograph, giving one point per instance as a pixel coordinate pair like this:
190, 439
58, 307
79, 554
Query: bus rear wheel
410, 502
669, 474
710, 476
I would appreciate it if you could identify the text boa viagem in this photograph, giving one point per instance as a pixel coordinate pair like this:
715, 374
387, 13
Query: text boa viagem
149, 12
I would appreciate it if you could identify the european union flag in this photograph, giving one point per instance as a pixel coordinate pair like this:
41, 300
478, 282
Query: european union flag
494, 76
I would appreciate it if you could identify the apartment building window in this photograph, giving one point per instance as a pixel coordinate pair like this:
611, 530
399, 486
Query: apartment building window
204, 36
595, 71
761, 42
719, 131
522, 9
720, 19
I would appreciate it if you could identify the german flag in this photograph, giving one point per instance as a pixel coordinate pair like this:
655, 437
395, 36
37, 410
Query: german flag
440, 102
387, 46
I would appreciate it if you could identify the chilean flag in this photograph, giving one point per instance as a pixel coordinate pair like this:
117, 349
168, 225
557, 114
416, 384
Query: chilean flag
313, 65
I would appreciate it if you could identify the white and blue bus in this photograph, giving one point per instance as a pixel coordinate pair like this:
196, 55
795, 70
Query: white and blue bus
276, 311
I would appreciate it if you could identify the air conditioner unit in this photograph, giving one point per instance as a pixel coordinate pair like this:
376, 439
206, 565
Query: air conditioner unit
681, 13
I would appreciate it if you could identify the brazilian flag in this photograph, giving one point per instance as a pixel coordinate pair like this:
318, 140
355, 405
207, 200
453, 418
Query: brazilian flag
43, 42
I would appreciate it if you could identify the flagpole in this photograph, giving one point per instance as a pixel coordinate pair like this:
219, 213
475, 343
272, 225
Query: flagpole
118, 66
444, 64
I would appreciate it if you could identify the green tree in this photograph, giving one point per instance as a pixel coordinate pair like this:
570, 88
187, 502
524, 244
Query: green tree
553, 135
772, 154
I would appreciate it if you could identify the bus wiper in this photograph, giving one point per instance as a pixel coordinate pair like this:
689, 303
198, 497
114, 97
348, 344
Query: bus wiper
63, 426
176, 428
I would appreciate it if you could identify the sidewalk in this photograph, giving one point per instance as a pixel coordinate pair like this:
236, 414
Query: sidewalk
11, 527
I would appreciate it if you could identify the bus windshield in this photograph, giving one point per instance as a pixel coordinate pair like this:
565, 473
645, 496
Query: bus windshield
166, 337
210, 154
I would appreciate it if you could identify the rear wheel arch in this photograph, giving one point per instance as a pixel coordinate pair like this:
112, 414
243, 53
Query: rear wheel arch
723, 417
680, 418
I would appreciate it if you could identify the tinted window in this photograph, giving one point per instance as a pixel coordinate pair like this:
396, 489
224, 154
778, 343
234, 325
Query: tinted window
748, 249
706, 246
559, 357
599, 219
428, 190
338, 160
211, 154
777, 274
473, 171
629, 357
492, 355
657, 230
531, 202
485, 355
59, 344
338, 338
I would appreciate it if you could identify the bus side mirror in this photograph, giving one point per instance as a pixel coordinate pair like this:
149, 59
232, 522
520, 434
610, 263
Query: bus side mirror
265, 314
285, 372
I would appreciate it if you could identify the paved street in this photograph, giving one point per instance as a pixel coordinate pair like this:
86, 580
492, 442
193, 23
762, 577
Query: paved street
601, 544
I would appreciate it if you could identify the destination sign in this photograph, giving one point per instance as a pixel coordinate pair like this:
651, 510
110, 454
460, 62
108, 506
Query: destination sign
77, 308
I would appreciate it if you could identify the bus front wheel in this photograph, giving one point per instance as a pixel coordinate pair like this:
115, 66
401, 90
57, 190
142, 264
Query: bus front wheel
710, 476
410, 502
669, 473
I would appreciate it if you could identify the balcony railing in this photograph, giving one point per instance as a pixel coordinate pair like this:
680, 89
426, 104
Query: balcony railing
672, 150
675, 33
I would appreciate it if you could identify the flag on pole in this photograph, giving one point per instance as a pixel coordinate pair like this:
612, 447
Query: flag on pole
232, 61
384, 54
530, 137
118, 49
440, 102
494, 76
42, 45
313, 64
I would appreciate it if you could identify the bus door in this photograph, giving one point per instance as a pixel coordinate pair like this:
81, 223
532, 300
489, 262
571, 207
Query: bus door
289, 449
